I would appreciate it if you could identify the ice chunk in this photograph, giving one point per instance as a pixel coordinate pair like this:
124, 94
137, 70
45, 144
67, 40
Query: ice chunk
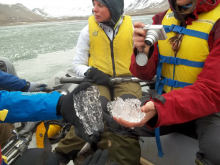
88, 109
128, 110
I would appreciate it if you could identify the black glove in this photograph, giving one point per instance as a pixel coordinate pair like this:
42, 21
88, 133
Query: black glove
99, 158
65, 107
98, 76
92, 139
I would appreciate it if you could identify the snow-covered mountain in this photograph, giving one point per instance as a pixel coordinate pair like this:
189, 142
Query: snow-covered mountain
18, 13
60, 11
139, 7
136, 7
40, 12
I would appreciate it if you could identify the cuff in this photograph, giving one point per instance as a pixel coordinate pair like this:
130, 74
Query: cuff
150, 53
25, 89
154, 121
87, 72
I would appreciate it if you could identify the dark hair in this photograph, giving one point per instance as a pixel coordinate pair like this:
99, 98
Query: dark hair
180, 11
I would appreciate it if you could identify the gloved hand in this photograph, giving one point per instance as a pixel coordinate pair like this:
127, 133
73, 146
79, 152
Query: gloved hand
99, 158
92, 139
36, 87
98, 76
111, 123
65, 107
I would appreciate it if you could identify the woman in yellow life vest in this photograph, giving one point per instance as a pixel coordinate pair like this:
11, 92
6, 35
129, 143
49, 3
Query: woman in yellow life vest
187, 67
104, 50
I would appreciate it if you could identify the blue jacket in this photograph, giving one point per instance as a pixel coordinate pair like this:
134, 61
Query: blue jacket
26, 106
11, 82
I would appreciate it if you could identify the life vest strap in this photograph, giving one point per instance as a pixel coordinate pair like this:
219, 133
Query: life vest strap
183, 30
159, 146
174, 83
160, 84
180, 61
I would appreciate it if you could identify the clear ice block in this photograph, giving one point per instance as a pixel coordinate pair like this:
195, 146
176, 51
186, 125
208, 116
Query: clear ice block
128, 109
88, 108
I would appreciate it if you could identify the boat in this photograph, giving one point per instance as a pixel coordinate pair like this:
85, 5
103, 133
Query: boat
178, 149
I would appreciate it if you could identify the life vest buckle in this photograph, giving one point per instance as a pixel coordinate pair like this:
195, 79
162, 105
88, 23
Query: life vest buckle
176, 28
171, 60
170, 82
172, 27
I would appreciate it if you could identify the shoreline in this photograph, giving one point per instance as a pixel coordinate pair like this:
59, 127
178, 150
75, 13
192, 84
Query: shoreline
25, 22
15, 23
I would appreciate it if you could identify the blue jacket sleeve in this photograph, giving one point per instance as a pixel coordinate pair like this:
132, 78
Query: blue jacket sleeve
25, 106
11, 82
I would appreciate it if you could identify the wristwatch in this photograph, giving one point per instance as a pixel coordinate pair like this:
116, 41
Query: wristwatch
141, 59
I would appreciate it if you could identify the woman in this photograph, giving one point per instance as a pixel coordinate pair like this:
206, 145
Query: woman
104, 50
187, 69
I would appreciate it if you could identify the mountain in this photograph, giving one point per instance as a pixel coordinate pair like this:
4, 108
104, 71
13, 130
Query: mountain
60, 11
141, 7
18, 13
136, 7
41, 12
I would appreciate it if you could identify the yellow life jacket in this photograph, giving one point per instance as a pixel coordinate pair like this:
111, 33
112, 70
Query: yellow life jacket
113, 58
182, 70
3, 114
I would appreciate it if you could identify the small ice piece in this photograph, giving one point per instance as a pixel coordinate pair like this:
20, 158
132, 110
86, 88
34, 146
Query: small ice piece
128, 109
88, 108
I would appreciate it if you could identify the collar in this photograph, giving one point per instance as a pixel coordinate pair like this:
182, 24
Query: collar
102, 25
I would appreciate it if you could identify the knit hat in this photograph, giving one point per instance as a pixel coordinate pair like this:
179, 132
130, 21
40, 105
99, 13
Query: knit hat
102, 2
116, 8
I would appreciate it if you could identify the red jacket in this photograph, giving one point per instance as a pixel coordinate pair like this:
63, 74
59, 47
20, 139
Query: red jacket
194, 101
0, 155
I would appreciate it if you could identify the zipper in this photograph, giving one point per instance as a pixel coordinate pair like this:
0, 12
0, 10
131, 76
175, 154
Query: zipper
112, 54
174, 68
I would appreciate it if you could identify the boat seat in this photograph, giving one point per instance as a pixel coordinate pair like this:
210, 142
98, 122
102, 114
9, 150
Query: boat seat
178, 149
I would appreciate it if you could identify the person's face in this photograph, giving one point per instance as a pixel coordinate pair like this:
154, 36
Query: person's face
183, 2
101, 12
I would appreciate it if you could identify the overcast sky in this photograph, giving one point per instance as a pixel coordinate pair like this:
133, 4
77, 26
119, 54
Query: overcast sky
40, 3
